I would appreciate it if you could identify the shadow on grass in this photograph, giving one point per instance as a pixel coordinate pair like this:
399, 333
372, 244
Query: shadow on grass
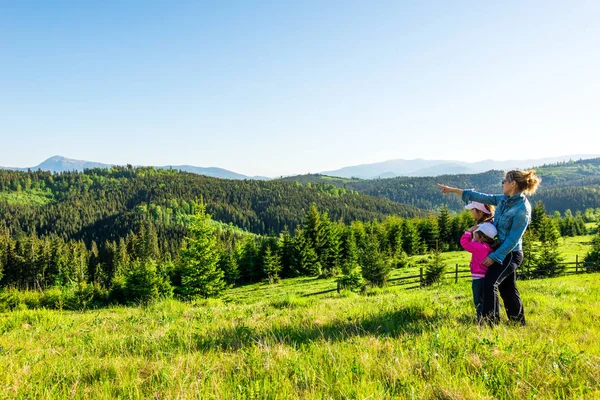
410, 320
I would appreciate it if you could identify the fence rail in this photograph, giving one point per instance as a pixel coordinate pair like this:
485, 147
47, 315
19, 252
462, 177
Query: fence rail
570, 268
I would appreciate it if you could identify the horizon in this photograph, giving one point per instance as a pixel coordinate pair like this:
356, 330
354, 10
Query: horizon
267, 89
566, 157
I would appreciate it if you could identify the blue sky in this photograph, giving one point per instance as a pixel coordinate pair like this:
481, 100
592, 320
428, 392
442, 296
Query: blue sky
277, 88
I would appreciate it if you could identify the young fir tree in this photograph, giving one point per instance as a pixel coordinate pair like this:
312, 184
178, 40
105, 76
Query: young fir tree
530, 253
351, 277
411, 241
200, 275
549, 257
330, 257
429, 233
307, 261
272, 264
434, 270
444, 226
249, 260
592, 259
286, 246
142, 283
538, 213
228, 263
374, 268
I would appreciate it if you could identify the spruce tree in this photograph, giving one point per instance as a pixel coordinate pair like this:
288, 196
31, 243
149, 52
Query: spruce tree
444, 226
286, 246
272, 264
549, 256
592, 259
351, 277
374, 268
411, 243
434, 270
538, 213
141, 283
200, 275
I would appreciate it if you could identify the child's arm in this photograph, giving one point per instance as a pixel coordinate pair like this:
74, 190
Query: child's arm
469, 245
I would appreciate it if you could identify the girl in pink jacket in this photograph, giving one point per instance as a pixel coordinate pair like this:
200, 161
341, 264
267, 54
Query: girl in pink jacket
479, 241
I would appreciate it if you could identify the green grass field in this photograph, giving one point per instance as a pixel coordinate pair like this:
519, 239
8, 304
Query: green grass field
391, 343
266, 341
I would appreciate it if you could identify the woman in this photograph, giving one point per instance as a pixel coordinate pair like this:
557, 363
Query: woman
512, 216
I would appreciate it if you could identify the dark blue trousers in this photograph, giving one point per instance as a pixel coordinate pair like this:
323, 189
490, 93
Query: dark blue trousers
503, 278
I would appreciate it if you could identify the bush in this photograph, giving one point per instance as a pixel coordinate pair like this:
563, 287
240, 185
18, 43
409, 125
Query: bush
52, 298
10, 299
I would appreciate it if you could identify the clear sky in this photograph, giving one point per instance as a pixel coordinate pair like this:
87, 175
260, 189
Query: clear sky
286, 87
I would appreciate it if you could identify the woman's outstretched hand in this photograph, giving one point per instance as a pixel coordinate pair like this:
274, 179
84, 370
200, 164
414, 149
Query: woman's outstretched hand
449, 189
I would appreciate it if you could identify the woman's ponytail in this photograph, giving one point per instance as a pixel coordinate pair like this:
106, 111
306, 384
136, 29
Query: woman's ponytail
527, 181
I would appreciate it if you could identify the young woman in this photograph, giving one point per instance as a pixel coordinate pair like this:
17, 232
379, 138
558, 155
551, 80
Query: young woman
512, 216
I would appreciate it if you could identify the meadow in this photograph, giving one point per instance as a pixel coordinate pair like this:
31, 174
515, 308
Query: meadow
389, 343
266, 341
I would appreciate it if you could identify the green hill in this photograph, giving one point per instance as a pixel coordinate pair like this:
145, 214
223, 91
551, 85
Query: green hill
571, 185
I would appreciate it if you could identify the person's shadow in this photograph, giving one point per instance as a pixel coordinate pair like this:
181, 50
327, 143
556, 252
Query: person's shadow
409, 320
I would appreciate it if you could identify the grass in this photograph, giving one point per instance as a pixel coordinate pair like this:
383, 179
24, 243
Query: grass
271, 342
390, 344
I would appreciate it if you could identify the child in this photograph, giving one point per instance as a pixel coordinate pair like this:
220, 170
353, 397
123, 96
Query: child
481, 212
479, 241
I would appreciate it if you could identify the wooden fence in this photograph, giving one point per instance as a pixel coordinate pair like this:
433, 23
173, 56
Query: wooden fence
418, 281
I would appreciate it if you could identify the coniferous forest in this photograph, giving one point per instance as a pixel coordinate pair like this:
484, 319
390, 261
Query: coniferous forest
125, 234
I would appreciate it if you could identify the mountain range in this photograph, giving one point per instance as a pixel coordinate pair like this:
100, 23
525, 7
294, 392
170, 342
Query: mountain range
63, 164
387, 169
420, 167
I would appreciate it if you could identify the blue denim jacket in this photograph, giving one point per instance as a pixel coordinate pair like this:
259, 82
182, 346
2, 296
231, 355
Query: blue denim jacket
512, 216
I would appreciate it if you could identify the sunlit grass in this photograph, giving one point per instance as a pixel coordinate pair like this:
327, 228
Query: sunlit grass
390, 343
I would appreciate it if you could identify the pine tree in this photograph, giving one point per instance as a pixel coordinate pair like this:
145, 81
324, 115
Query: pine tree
592, 258
530, 252
549, 256
429, 233
538, 213
249, 262
272, 264
330, 257
200, 276
228, 263
286, 246
434, 271
142, 282
444, 226
307, 261
351, 277
374, 268
411, 243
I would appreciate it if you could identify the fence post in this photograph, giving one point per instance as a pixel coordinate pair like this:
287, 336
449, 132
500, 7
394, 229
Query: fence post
456, 274
421, 277
338, 286
576, 263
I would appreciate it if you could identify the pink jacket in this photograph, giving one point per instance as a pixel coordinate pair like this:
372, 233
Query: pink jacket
479, 251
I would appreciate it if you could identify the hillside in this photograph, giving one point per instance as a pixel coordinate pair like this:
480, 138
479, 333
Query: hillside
102, 204
573, 185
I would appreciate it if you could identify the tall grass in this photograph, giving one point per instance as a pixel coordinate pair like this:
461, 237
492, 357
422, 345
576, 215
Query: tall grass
389, 344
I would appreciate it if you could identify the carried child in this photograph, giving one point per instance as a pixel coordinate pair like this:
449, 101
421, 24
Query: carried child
479, 240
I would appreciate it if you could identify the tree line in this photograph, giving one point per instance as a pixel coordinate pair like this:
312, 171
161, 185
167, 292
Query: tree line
209, 256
